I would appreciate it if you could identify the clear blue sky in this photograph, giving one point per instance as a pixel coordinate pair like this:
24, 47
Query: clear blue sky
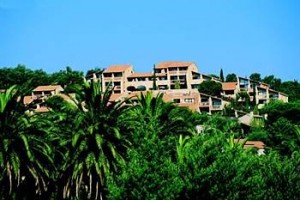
240, 36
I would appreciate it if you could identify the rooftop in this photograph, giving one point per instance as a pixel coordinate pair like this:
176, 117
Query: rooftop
117, 68
140, 75
164, 65
249, 144
46, 88
27, 100
229, 85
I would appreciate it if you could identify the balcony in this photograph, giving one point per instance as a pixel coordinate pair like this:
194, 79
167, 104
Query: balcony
216, 107
183, 72
181, 81
204, 104
262, 96
173, 72
119, 78
274, 96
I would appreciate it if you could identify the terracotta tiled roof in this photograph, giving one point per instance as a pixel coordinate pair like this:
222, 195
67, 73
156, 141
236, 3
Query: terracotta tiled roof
27, 100
164, 65
42, 109
256, 144
134, 75
117, 68
46, 88
229, 86
251, 144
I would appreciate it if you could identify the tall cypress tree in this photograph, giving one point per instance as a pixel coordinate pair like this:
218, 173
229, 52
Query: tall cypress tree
154, 78
221, 75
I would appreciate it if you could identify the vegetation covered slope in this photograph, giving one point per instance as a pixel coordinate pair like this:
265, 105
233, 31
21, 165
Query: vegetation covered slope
93, 149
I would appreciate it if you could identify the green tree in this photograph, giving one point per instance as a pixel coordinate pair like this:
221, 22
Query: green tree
292, 89
163, 118
154, 79
275, 83
211, 88
177, 84
283, 136
278, 109
255, 77
97, 144
67, 78
149, 172
231, 77
222, 75
25, 152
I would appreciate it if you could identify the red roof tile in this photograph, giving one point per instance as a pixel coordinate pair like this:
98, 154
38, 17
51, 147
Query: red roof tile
164, 65
251, 144
229, 86
137, 75
27, 100
42, 109
117, 68
46, 88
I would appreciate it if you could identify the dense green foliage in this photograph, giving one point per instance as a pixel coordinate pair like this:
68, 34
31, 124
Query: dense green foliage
211, 88
142, 148
231, 78
21, 75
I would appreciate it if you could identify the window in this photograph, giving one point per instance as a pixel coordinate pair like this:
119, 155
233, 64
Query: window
189, 100
195, 86
117, 83
119, 74
229, 92
163, 87
204, 99
107, 75
141, 79
183, 68
217, 103
176, 100
182, 77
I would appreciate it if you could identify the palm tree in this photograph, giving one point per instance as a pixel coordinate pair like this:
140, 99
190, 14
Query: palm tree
25, 155
152, 115
96, 144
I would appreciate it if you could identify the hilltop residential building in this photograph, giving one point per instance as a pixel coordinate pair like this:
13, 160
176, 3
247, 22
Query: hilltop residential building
36, 101
180, 78
115, 77
260, 91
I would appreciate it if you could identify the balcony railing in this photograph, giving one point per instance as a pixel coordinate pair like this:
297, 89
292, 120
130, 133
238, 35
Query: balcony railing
262, 96
181, 81
216, 106
204, 104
